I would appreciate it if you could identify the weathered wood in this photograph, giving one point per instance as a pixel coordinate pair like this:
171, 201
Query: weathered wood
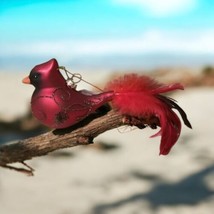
81, 134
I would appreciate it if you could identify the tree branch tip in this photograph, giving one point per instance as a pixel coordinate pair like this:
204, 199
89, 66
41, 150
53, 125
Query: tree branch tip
28, 172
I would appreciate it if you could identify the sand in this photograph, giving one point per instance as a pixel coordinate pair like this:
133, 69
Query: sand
131, 179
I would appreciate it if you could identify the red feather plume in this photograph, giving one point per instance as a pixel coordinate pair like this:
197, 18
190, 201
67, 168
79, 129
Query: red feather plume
140, 96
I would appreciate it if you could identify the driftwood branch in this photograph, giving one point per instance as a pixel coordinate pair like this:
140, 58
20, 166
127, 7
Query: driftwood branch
81, 134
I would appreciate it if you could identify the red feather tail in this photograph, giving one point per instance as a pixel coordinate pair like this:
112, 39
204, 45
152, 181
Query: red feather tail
139, 96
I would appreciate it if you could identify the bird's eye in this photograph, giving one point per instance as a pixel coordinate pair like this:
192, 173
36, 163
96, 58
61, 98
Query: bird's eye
35, 78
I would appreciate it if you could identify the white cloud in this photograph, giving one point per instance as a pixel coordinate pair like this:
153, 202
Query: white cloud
160, 8
153, 41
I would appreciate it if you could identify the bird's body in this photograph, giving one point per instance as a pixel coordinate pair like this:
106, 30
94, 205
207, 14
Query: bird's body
58, 105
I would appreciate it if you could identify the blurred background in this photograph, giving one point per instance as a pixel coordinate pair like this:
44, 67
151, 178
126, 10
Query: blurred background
124, 34
171, 40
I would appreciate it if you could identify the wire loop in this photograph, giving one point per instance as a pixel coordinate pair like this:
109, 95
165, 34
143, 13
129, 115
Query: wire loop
74, 78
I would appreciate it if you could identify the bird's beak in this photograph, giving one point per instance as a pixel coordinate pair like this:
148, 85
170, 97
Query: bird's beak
26, 80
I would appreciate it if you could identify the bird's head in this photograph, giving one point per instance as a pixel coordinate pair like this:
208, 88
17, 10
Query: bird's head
45, 75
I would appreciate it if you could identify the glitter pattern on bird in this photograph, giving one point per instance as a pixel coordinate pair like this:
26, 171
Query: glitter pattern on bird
59, 105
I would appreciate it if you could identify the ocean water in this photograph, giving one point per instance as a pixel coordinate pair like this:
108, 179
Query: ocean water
110, 62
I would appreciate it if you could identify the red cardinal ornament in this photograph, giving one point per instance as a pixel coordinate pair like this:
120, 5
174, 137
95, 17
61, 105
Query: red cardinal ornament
58, 105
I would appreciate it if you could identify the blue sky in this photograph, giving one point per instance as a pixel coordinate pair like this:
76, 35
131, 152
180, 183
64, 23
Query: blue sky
79, 31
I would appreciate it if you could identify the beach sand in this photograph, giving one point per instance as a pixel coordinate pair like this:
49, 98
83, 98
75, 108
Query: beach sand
130, 179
